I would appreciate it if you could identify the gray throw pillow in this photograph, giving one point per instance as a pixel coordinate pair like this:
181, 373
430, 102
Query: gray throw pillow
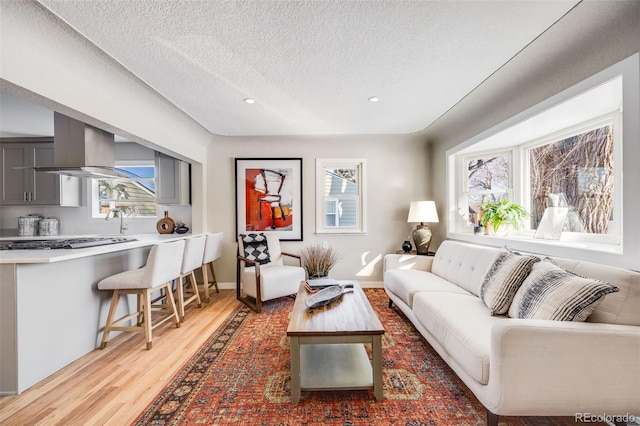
551, 293
502, 280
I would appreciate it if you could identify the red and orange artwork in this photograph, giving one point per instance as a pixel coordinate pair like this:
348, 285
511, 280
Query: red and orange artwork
268, 199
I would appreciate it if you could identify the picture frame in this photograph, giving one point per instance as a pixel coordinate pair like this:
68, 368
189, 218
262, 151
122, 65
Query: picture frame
269, 197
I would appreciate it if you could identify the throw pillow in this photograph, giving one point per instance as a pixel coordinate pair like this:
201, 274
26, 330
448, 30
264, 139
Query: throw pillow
256, 248
551, 293
503, 279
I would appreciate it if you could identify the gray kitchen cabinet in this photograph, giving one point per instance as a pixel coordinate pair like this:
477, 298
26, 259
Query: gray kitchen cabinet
173, 184
21, 185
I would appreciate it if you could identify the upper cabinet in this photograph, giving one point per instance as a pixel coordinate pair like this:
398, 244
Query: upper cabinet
172, 180
21, 185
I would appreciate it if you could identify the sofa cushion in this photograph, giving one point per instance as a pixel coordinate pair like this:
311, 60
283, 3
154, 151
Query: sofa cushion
503, 279
462, 325
463, 264
405, 283
551, 293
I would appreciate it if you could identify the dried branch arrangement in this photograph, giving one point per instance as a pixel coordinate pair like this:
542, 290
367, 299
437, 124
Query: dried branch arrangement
318, 260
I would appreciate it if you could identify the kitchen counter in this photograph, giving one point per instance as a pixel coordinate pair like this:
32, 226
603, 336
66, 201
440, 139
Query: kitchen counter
59, 255
52, 312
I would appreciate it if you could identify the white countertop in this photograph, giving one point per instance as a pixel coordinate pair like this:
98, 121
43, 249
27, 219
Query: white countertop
59, 255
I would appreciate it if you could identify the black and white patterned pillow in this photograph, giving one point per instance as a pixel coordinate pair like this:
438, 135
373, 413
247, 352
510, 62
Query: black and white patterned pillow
503, 279
256, 248
551, 293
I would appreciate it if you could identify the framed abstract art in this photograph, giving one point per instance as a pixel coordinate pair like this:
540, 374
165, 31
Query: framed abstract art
269, 197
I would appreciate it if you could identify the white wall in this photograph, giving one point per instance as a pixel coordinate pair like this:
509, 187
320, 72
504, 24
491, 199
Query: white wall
594, 36
397, 171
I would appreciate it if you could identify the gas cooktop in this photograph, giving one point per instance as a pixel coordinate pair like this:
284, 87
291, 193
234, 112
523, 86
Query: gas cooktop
71, 243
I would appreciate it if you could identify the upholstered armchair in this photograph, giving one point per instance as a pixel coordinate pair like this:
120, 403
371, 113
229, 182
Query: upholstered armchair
261, 272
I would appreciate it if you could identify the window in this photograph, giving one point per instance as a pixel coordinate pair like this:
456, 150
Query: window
340, 190
488, 179
577, 172
566, 156
137, 198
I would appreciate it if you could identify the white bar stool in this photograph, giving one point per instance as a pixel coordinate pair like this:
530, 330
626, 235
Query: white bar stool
212, 251
163, 266
192, 259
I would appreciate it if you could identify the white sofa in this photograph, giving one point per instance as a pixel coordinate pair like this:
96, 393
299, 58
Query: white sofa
523, 367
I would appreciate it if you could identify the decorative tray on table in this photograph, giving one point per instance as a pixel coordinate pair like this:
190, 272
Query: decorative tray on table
325, 296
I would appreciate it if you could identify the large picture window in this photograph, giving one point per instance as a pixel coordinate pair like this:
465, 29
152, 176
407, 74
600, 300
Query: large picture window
576, 172
568, 156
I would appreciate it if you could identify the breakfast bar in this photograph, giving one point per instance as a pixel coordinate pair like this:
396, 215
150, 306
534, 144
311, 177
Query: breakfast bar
51, 312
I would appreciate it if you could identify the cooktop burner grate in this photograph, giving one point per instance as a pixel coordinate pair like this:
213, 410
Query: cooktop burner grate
71, 243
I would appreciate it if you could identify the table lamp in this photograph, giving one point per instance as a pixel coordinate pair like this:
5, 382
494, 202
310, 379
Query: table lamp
422, 211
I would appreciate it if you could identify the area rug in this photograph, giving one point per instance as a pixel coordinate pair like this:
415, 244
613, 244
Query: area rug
241, 376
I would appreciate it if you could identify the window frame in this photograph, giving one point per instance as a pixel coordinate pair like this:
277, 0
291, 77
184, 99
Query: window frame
356, 163
623, 75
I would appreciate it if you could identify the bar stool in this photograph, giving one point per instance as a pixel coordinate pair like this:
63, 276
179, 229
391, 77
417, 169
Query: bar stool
192, 259
212, 251
163, 266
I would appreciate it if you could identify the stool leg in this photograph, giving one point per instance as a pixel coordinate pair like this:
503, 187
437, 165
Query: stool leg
140, 314
172, 305
112, 311
146, 306
213, 277
194, 287
180, 297
205, 282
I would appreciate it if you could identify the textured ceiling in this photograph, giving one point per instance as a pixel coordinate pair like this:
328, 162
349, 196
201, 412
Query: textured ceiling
311, 65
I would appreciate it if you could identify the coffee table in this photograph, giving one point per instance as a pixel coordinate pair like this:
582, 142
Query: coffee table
327, 344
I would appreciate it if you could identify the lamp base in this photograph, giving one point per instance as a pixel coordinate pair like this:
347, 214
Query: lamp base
422, 238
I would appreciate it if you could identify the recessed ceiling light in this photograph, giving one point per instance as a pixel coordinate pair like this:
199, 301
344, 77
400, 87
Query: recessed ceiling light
249, 101
374, 99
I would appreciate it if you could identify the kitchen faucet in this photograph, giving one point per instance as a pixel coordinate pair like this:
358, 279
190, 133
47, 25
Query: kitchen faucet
117, 213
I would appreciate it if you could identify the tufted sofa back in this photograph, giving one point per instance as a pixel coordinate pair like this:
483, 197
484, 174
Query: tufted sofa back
466, 264
463, 264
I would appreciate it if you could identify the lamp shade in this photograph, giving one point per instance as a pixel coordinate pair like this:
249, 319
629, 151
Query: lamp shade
423, 211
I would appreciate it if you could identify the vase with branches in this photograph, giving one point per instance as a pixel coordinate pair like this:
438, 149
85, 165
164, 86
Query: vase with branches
318, 260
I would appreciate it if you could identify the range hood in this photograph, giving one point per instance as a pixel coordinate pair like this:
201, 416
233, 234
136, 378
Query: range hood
82, 150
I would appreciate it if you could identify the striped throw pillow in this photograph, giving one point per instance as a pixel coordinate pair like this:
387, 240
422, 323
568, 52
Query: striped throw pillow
551, 293
503, 279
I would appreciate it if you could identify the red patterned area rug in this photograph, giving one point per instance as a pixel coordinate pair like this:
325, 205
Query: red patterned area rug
241, 376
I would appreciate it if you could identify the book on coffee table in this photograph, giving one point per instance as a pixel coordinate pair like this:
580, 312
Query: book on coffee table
320, 283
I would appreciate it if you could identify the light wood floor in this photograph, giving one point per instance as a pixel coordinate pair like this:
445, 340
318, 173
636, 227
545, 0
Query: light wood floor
113, 386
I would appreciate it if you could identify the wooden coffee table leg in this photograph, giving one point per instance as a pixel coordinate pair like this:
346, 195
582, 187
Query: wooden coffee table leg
376, 354
295, 369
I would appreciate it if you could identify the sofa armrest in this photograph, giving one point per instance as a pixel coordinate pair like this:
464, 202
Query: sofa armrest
564, 367
407, 261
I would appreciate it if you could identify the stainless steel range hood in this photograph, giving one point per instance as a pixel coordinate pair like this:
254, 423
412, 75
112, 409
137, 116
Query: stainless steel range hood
82, 150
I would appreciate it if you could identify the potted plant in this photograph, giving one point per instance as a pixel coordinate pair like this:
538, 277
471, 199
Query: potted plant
500, 217
318, 260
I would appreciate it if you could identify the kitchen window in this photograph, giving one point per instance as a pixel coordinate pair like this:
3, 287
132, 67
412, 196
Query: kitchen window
136, 197
341, 196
